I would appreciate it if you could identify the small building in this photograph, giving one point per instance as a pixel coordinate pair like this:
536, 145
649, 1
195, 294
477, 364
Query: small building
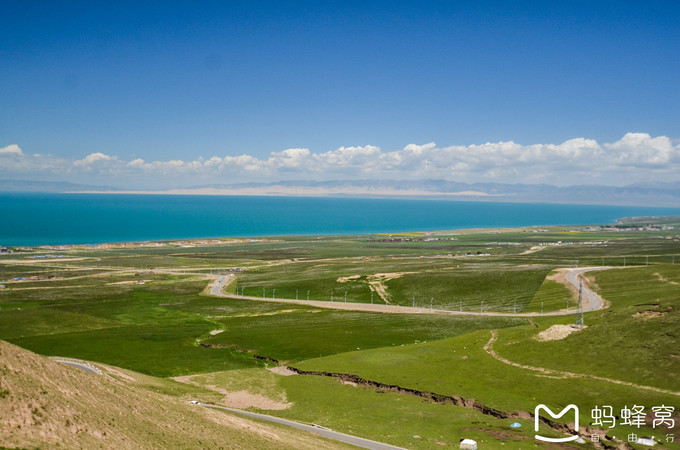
2, 286
4, 250
468, 444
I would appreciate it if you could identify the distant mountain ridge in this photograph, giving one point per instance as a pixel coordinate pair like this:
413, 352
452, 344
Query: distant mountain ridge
644, 194
49, 186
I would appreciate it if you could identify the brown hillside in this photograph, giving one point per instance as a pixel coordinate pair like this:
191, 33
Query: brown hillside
44, 403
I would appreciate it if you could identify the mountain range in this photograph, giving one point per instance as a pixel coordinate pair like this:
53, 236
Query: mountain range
644, 194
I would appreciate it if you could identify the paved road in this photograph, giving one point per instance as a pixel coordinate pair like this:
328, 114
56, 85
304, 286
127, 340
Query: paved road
80, 365
219, 284
317, 429
592, 303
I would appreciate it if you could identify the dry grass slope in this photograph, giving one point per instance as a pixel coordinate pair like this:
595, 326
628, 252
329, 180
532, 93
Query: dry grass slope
46, 404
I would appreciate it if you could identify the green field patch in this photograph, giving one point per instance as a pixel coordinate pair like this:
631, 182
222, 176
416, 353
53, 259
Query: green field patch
316, 332
460, 366
33, 321
551, 296
491, 289
162, 351
396, 419
637, 339
383, 416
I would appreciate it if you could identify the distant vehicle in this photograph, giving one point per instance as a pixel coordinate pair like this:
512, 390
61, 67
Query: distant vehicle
194, 402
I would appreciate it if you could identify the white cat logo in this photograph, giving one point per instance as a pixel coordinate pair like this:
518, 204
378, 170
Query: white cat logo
556, 416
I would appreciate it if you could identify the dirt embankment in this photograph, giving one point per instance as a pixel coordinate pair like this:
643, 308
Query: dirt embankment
470, 403
355, 380
46, 404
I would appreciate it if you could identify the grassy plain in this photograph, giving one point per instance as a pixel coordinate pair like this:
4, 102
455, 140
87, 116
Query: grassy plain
141, 309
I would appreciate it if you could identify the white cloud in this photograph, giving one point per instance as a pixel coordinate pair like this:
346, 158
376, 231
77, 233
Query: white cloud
11, 150
634, 157
640, 149
292, 158
92, 158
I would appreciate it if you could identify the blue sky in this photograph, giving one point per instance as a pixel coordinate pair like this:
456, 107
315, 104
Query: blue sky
479, 88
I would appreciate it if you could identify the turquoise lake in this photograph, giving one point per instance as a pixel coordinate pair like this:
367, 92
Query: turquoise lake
35, 219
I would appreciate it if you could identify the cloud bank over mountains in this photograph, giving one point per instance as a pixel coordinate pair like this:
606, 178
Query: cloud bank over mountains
636, 157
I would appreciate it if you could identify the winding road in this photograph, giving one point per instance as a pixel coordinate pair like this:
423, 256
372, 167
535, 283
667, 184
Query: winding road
592, 301
317, 429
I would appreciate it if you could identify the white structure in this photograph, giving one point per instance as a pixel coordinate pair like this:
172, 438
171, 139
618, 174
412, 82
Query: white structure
468, 444
645, 441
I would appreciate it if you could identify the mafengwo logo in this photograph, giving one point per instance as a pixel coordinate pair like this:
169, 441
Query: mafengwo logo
547, 410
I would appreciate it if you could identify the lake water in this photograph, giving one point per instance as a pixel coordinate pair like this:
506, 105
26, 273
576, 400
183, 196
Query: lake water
34, 219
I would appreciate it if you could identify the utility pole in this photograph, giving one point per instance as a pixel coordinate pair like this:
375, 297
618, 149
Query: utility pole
541, 307
307, 295
274, 294
371, 297
345, 296
431, 300
296, 294
481, 307
461, 306
414, 301
580, 303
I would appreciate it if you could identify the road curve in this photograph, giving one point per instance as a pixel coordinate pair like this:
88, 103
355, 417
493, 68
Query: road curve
321, 431
81, 365
592, 300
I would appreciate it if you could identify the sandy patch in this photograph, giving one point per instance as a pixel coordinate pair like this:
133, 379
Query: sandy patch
533, 249
281, 370
666, 280
376, 283
557, 332
244, 399
216, 332
648, 315
349, 278
238, 399
350, 383
273, 313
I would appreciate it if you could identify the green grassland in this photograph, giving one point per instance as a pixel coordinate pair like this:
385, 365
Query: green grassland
389, 417
637, 339
96, 309
298, 334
